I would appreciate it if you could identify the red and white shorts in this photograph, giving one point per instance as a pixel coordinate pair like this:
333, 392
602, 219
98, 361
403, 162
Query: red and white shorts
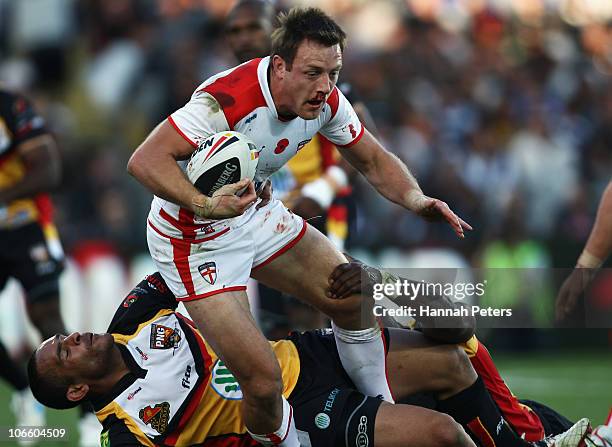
195, 270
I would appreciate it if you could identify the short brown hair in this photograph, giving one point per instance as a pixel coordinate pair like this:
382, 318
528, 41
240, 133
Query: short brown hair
301, 24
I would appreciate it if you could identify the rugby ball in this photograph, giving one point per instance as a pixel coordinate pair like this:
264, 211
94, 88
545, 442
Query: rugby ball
221, 159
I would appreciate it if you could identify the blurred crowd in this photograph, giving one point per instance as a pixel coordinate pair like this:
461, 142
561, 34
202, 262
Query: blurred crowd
502, 109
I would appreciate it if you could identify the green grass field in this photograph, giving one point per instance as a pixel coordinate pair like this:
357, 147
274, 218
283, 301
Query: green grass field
575, 384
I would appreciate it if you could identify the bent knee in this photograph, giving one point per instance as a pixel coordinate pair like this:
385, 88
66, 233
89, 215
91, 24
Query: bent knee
460, 368
263, 384
455, 371
445, 432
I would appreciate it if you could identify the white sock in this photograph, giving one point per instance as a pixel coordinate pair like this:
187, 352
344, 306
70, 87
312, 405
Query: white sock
286, 435
362, 354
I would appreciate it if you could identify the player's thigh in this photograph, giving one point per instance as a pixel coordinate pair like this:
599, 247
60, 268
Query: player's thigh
303, 271
416, 364
229, 328
410, 426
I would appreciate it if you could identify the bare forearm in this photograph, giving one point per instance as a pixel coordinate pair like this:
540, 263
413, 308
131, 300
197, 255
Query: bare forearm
392, 179
599, 243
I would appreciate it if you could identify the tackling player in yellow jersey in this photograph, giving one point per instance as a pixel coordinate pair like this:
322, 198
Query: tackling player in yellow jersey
154, 380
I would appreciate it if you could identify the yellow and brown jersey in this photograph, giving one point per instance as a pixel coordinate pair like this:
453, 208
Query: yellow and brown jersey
19, 122
178, 392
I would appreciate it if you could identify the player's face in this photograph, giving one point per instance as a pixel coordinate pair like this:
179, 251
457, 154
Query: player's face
78, 356
311, 79
248, 34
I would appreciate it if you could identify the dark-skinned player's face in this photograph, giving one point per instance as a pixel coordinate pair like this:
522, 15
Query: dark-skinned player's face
310, 79
248, 33
78, 356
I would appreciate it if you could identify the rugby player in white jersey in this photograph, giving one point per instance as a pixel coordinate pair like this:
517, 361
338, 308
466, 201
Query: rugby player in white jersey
206, 247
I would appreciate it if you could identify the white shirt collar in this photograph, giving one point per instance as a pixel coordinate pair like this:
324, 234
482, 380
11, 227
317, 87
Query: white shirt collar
262, 76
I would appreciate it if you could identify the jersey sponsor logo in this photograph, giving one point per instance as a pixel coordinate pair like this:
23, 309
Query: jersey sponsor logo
281, 146
224, 383
500, 426
156, 416
185, 382
142, 354
163, 337
362, 433
132, 394
156, 284
130, 299
322, 421
329, 403
208, 270
301, 144
104, 441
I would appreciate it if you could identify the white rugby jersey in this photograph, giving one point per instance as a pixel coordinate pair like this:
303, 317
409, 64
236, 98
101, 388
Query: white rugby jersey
239, 99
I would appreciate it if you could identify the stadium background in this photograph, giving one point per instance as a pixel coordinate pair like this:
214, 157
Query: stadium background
503, 108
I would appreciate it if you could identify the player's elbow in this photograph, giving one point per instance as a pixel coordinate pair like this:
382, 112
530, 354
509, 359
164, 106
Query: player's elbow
136, 165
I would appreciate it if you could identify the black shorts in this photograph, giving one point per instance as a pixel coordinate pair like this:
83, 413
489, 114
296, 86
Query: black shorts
25, 256
328, 409
553, 422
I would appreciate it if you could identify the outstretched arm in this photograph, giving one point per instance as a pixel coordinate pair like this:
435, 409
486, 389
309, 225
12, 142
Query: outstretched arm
393, 180
596, 251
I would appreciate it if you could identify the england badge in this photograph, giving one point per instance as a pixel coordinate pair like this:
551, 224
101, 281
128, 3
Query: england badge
208, 270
